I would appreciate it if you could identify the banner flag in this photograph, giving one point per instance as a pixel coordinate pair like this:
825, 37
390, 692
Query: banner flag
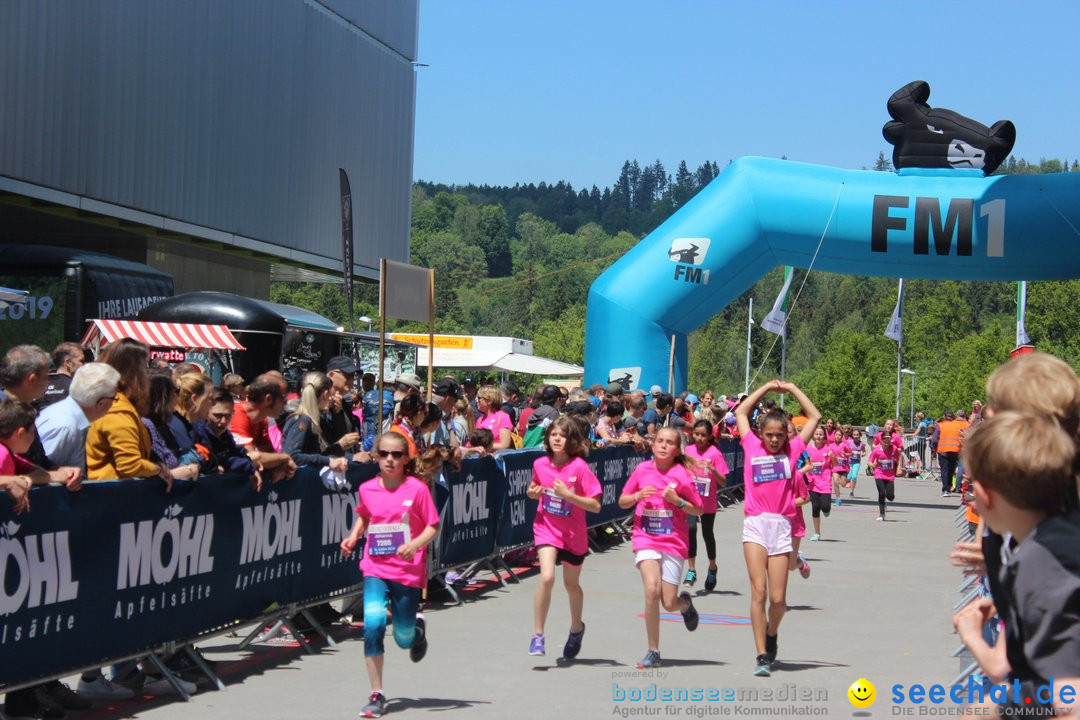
1021, 314
776, 321
895, 330
347, 242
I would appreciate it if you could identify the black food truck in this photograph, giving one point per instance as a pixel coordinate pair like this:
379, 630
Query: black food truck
276, 337
69, 287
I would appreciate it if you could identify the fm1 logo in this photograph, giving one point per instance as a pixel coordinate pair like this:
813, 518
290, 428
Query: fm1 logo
688, 254
959, 222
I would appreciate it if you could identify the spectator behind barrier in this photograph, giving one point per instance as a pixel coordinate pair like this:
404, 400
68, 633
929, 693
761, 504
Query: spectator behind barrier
304, 440
412, 411
492, 418
118, 444
234, 384
163, 446
250, 426
192, 403
1022, 468
66, 359
24, 376
213, 433
62, 426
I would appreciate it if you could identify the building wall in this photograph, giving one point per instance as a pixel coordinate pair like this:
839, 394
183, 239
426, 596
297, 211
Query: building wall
230, 116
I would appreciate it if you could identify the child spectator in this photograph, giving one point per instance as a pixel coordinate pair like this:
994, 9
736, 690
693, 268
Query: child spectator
1022, 472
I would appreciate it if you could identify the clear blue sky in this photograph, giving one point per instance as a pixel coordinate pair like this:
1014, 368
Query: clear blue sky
531, 90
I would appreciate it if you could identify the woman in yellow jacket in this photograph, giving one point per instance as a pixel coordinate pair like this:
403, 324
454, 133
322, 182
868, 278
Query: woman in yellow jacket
118, 444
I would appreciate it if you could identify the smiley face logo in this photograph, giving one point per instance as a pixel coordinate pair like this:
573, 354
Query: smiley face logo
862, 693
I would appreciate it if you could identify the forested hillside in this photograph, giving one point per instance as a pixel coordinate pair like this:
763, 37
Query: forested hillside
519, 261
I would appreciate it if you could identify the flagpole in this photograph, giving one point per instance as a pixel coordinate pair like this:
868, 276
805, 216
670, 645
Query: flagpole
783, 364
749, 329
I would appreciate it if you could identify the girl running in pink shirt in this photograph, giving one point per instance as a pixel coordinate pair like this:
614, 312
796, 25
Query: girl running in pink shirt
883, 460
769, 486
839, 454
710, 474
396, 512
798, 520
818, 473
664, 493
858, 451
566, 489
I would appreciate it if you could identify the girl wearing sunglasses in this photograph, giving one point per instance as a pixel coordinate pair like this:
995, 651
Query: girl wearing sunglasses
398, 516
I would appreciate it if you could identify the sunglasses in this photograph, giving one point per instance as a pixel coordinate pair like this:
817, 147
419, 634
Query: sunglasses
396, 454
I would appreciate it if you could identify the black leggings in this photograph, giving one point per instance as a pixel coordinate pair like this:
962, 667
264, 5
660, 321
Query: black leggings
707, 521
885, 489
820, 503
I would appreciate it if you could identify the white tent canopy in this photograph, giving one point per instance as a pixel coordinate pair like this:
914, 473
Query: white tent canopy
478, 352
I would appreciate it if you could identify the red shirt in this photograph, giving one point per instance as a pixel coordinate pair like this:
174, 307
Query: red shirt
247, 433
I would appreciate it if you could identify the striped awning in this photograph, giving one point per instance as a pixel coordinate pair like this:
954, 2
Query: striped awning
162, 334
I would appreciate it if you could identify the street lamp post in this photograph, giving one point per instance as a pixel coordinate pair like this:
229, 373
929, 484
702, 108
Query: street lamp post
905, 371
365, 318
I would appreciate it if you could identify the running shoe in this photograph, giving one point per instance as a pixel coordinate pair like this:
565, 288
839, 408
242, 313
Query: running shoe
852, 494
881, 518
804, 567
573, 643
419, 646
536, 645
815, 537
691, 577
710, 580
838, 501
946, 494
651, 660
376, 706
690, 614
763, 668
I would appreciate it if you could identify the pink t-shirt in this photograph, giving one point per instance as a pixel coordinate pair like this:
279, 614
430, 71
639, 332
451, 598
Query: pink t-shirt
703, 480
768, 480
886, 463
559, 522
12, 464
857, 451
659, 525
388, 528
819, 471
839, 452
495, 422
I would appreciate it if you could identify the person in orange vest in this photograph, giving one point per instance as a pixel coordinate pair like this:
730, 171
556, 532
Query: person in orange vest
947, 439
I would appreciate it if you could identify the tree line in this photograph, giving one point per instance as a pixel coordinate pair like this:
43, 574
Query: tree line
519, 261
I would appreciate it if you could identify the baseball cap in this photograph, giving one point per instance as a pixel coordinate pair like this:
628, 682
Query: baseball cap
655, 390
730, 418
615, 389
446, 388
341, 363
551, 394
692, 398
410, 379
469, 382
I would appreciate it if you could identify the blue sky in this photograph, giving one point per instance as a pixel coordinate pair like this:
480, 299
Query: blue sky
524, 91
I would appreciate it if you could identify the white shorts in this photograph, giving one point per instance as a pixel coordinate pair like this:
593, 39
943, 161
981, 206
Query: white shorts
671, 566
769, 530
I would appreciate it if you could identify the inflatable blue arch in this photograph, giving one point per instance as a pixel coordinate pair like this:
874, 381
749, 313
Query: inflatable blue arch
934, 223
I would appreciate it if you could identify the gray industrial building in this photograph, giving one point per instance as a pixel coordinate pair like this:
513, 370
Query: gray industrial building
204, 137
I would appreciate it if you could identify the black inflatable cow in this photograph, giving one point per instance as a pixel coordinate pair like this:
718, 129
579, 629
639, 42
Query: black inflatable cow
928, 137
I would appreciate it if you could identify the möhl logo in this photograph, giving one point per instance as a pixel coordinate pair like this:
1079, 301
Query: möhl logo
270, 530
470, 501
163, 550
35, 570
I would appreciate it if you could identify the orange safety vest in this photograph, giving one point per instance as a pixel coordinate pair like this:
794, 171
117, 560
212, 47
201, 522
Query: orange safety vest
950, 435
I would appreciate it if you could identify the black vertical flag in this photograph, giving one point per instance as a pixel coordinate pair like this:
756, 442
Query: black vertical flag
347, 243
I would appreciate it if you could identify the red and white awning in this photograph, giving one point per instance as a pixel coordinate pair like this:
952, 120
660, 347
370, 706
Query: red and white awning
162, 334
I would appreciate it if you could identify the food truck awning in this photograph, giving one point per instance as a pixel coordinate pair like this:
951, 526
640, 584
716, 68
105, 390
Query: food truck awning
162, 334
477, 352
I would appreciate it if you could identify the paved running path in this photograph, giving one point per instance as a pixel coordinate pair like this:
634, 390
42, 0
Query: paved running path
877, 605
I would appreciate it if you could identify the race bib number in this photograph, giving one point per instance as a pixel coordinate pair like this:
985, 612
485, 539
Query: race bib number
855, 457
386, 539
885, 464
554, 505
816, 468
658, 522
702, 486
768, 468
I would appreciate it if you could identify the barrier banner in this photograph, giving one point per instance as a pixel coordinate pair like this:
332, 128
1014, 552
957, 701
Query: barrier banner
120, 566
612, 467
469, 506
733, 456
518, 510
